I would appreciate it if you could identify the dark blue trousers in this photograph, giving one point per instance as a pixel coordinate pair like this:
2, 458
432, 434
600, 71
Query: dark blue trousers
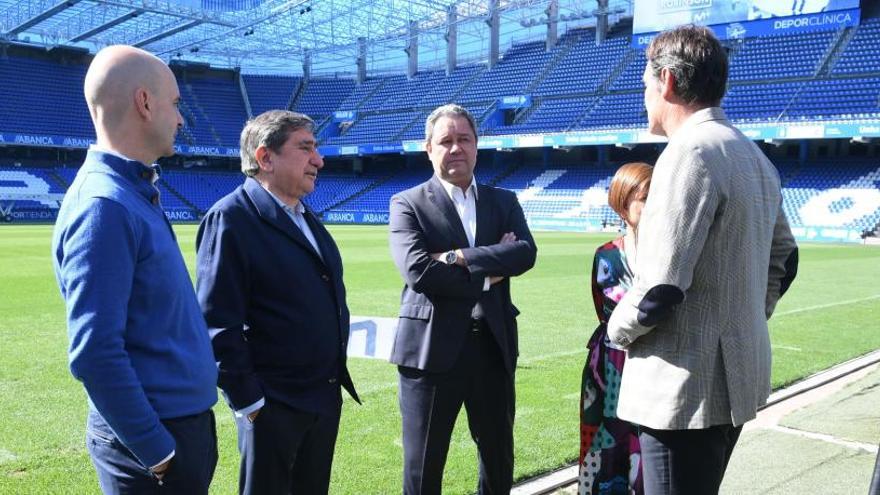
686, 462
286, 451
429, 406
189, 473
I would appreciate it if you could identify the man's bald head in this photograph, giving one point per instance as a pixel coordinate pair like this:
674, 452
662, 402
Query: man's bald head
133, 100
113, 78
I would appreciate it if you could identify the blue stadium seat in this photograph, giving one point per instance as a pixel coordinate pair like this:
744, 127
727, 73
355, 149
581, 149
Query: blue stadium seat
772, 79
860, 54
269, 92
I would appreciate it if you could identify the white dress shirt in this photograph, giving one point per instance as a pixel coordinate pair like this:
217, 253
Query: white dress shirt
465, 203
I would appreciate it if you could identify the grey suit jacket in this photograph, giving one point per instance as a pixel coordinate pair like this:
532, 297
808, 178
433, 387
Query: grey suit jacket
437, 299
714, 255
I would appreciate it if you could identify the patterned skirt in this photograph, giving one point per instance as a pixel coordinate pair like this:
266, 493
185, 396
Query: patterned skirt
610, 457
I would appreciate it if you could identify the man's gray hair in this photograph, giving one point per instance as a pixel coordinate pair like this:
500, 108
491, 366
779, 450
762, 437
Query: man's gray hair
450, 110
697, 60
270, 129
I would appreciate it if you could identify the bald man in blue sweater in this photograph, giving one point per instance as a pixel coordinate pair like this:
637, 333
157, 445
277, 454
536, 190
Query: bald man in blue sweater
138, 341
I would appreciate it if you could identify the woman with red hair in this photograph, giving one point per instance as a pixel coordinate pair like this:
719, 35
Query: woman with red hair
610, 457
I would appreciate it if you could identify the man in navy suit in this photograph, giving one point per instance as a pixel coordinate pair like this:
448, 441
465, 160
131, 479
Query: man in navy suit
456, 245
270, 287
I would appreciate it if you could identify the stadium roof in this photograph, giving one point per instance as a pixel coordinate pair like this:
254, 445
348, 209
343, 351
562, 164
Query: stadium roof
275, 35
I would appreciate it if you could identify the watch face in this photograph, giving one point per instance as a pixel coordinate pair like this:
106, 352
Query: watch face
451, 257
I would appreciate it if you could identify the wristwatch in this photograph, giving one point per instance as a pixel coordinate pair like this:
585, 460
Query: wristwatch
450, 257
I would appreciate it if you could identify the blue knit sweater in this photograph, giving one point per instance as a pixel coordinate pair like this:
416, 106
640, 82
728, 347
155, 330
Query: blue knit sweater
138, 341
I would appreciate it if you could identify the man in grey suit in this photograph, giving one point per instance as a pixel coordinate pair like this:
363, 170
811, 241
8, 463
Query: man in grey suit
456, 245
714, 255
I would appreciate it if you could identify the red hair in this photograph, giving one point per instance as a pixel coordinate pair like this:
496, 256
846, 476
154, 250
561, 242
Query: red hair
630, 182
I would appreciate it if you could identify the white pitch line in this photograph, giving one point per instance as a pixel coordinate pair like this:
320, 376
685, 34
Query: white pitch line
543, 357
553, 355
865, 447
381, 387
788, 348
829, 305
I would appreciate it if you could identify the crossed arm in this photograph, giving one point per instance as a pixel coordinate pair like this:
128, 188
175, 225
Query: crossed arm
460, 260
513, 255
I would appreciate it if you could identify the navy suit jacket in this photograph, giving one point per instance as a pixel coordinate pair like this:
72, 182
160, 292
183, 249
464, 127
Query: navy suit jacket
275, 309
437, 299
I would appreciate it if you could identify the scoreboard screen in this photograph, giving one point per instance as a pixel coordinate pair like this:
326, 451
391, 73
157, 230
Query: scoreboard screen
651, 16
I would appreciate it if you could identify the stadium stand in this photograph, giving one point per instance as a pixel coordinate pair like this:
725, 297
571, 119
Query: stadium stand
576, 85
43, 180
379, 195
761, 102
631, 76
400, 92
198, 128
41, 88
585, 67
616, 110
377, 128
66, 174
219, 101
268, 92
320, 97
564, 191
450, 88
851, 99
416, 129
40, 184
361, 92
520, 66
860, 54
335, 188
776, 57
552, 115
845, 193
201, 189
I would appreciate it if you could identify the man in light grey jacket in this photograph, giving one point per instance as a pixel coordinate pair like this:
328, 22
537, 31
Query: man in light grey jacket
714, 255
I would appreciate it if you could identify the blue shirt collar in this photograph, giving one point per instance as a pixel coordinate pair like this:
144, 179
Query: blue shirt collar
154, 167
140, 175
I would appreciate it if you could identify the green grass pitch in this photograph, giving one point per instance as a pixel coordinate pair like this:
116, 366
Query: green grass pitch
830, 315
